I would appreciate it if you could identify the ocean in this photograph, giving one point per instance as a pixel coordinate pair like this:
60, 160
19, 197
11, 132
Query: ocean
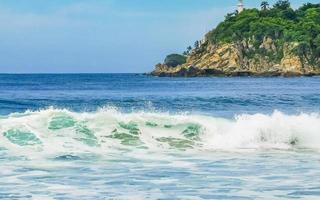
130, 136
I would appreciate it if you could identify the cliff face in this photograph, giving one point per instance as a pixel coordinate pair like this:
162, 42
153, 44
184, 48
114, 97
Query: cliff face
275, 40
241, 59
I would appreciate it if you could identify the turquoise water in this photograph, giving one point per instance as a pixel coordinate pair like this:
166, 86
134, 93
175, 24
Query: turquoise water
126, 136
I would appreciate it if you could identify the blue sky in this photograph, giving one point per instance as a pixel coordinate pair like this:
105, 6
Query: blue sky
107, 36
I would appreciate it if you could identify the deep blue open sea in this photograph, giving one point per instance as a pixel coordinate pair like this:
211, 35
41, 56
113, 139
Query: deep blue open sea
130, 136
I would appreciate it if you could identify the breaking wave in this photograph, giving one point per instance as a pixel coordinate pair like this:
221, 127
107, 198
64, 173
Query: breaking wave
106, 130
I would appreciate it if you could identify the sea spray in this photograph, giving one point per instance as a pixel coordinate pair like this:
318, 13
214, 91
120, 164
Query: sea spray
62, 131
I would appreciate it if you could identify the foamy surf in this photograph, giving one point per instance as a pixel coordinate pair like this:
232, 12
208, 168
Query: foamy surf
110, 154
57, 131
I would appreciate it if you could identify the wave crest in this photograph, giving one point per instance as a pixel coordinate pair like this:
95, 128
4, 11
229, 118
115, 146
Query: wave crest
54, 131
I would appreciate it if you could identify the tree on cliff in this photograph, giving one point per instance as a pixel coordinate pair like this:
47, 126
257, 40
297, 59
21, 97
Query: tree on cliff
196, 44
282, 5
281, 23
264, 5
174, 60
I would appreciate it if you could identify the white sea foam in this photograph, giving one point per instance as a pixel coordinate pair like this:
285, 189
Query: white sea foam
107, 130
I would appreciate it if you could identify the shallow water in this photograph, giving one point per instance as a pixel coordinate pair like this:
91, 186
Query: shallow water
124, 136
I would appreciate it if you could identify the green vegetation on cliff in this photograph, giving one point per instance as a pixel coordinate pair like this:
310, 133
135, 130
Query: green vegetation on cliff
281, 23
273, 40
174, 60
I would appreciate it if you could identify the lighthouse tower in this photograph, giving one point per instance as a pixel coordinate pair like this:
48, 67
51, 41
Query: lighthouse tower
240, 6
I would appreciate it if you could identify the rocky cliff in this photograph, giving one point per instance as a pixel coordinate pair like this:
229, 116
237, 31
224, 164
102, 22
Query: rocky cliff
233, 59
251, 51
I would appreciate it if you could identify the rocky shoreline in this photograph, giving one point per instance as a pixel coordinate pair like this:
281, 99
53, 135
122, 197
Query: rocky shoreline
195, 72
230, 60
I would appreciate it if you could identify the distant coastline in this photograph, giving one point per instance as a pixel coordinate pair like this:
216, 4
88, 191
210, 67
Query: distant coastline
271, 41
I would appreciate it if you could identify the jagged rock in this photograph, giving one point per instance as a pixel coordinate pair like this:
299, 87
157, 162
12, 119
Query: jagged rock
233, 59
268, 44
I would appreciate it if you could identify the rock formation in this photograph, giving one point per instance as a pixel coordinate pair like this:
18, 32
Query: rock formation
278, 41
233, 60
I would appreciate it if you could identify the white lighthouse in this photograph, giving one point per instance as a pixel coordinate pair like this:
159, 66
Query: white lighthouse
240, 6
